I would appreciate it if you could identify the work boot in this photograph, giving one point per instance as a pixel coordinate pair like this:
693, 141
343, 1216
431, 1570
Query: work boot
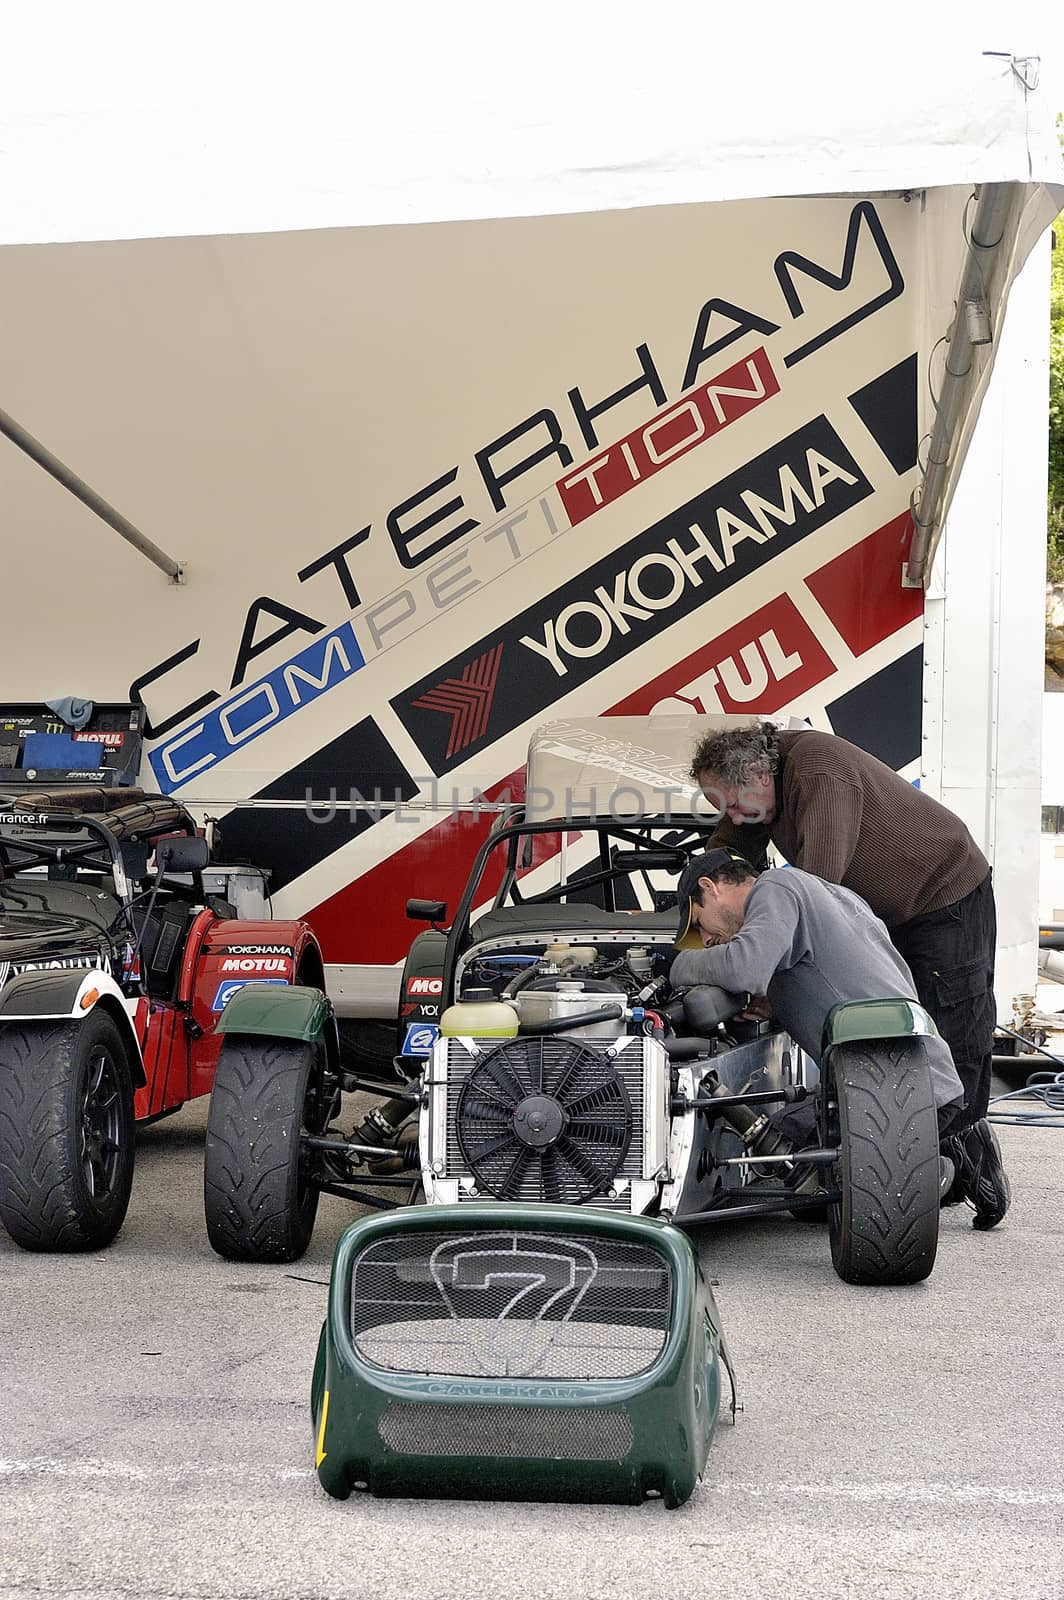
953, 1194
981, 1178
947, 1173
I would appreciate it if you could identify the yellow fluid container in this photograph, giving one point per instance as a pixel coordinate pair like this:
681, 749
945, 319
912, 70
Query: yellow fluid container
479, 1016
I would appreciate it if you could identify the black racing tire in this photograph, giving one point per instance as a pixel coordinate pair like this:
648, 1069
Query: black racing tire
884, 1227
258, 1201
67, 1139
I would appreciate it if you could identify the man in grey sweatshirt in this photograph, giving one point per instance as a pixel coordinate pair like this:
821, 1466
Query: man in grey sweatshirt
804, 944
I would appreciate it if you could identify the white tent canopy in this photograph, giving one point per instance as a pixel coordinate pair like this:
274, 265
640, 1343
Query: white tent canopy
120, 120
183, 130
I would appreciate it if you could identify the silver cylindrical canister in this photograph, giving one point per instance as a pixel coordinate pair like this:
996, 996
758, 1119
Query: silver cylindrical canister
569, 997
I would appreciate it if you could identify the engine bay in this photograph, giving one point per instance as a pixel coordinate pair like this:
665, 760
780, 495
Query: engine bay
560, 981
568, 1070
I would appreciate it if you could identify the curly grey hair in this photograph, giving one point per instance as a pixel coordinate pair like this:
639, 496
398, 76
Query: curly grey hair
737, 755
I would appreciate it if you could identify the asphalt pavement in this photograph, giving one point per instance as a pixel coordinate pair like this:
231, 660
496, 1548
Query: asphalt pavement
155, 1435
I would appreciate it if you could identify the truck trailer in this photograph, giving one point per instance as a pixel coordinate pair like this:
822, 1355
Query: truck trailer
346, 473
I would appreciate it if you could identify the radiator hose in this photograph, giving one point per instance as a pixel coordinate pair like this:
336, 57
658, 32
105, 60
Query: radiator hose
611, 1013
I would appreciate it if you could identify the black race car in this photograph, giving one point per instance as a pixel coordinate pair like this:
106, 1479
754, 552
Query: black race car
114, 966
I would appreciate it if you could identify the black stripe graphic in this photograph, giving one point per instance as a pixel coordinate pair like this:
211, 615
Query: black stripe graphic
887, 407
643, 587
290, 841
882, 715
790, 262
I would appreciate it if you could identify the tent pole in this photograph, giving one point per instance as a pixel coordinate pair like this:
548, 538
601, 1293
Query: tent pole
88, 496
988, 231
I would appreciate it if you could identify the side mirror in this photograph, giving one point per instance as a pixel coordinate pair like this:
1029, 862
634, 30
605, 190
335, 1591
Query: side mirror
182, 854
426, 910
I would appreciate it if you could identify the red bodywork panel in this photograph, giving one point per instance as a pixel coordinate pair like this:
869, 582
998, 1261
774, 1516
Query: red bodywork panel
178, 1041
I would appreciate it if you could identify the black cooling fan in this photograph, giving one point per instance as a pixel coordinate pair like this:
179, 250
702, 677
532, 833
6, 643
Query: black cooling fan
544, 1119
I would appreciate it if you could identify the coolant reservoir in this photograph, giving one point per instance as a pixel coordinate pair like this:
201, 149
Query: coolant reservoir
479, 1015
639, 961
571, 955
553, 999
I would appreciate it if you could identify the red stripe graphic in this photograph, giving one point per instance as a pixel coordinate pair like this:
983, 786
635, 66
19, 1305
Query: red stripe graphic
671, 434
861, 589
466, 699
756, 666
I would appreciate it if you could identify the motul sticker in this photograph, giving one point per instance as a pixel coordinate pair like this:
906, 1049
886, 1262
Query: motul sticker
761, 663
256, 964
425, 986
697, 551
113, 741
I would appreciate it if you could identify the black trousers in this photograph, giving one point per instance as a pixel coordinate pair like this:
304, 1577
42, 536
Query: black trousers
951, 956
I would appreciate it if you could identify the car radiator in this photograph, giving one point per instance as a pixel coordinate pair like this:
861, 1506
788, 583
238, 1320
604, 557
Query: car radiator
546, 1119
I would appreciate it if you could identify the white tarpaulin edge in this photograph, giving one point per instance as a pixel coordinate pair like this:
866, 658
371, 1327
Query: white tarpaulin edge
125, 121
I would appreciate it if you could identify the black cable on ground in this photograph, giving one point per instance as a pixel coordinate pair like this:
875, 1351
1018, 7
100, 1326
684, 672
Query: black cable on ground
1046, 1087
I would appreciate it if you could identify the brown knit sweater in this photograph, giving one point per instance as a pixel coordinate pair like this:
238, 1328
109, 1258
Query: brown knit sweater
847, 817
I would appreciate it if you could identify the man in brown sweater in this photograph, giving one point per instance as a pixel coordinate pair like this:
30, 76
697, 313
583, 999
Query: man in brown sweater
831, 809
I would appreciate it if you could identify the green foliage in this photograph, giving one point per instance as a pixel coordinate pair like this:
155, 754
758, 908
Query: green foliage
1056, 402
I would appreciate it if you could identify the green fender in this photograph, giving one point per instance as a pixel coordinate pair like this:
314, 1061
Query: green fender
858, 1021
281, 1013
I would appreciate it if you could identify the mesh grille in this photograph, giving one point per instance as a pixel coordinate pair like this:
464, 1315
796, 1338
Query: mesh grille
510, 1304
507, 1431
560, 1119
628, 1066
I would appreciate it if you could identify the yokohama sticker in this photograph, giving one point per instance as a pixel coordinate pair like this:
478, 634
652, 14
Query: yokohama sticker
60, 964
258, 950
697, 551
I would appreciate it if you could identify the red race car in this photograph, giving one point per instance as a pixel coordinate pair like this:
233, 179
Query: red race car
115, 965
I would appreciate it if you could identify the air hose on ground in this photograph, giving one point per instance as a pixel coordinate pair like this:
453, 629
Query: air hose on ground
1045, 1087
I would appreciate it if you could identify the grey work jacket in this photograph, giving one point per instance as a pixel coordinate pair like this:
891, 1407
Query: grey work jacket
809, 945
